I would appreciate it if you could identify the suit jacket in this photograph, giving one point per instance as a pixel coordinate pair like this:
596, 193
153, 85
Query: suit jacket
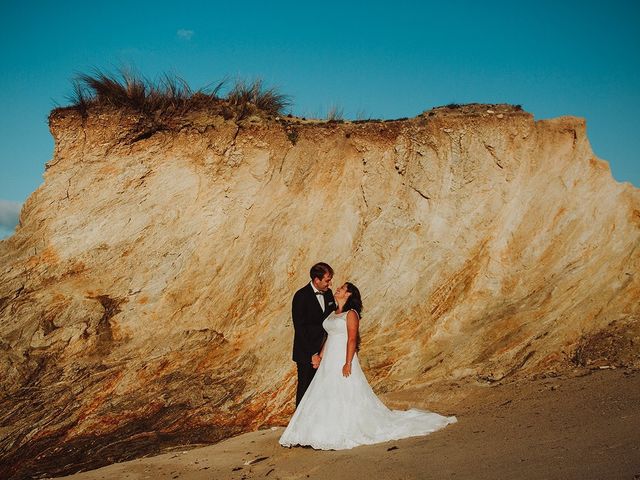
307, 322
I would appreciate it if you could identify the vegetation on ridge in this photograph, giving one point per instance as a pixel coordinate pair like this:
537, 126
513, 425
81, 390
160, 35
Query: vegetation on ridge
246, 97
171, 96
164, 103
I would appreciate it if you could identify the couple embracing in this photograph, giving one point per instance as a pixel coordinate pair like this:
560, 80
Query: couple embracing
336, 408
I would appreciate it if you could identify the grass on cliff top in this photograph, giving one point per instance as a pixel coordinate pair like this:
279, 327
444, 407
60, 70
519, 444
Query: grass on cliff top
473, 107
164, 102
171, 96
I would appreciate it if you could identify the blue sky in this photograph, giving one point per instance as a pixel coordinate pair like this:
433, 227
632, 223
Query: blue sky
371, 59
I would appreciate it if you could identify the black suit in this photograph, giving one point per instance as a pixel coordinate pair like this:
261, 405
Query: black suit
308, 332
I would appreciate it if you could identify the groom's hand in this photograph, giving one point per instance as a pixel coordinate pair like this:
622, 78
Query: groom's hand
315, 360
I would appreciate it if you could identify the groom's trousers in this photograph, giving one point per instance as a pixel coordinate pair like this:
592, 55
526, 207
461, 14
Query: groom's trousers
305, 375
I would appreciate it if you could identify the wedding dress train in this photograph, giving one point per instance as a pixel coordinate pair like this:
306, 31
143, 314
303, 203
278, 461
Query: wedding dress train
340, 412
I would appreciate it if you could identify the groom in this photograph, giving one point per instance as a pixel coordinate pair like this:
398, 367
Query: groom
311, 305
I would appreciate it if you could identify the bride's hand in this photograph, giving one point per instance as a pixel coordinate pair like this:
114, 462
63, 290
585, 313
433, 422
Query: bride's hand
346, 370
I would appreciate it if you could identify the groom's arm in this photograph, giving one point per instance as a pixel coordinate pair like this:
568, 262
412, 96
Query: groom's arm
301, 324
324, 340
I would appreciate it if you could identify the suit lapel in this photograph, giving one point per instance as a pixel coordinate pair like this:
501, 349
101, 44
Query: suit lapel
329, 304
312, 298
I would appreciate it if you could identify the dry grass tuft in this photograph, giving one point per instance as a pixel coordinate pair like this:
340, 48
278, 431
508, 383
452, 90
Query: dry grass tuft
170, 96
250, 98
335, 113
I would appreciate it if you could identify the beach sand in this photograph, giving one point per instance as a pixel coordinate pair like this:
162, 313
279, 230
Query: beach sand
582, 425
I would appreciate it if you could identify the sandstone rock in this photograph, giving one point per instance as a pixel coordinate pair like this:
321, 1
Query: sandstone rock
145, 297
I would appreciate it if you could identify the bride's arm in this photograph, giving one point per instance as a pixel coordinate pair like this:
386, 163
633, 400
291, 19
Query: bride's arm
352, 338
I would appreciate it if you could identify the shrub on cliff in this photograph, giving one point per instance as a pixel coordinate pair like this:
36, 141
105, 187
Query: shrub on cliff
170, 96
248, 98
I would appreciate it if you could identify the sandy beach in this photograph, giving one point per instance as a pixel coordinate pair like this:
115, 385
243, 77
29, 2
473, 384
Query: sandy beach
583, 425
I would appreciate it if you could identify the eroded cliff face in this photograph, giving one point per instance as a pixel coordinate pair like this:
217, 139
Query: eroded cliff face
145, 298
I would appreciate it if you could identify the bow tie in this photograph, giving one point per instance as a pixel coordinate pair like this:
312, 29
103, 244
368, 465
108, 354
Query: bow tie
319, 293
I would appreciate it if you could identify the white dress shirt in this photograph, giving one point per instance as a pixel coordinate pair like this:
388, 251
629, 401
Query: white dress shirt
319, 297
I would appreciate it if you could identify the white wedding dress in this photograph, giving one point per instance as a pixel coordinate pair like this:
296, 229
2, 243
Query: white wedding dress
340, 412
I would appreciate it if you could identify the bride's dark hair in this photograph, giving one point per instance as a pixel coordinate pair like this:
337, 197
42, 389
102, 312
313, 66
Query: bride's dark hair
354, 302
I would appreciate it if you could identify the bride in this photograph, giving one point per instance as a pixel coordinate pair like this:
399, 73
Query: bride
339, 409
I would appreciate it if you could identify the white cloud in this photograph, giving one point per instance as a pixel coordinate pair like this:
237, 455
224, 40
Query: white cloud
9, 212
185, 34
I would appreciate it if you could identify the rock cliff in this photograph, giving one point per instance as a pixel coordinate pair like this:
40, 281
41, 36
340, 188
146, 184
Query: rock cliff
145, 297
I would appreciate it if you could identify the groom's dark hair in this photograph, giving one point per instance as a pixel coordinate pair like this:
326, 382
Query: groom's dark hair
320, 269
